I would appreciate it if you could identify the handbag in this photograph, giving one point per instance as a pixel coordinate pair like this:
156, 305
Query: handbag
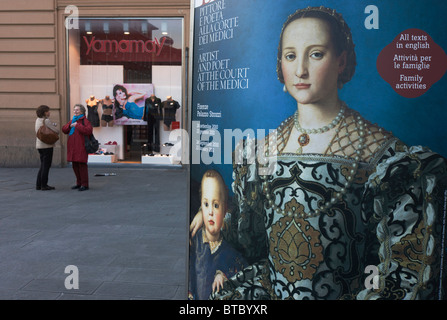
91, 144
46, 135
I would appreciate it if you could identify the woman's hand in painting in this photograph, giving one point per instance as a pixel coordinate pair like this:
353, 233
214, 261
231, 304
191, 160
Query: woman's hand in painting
196, 223
135, 96
219, 279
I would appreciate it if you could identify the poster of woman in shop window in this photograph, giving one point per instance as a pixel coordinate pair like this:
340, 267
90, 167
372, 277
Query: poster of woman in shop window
129, 100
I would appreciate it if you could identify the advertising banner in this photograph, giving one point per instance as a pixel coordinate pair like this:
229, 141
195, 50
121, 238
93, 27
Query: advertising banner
318, 150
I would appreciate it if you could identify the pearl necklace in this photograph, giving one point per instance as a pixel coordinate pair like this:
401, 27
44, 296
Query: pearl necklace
304, 139
336, 196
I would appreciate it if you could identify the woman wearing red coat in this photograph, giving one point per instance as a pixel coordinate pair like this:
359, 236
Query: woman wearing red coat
77, 129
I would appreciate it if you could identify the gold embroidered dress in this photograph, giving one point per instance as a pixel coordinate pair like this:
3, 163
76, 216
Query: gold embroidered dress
311, 224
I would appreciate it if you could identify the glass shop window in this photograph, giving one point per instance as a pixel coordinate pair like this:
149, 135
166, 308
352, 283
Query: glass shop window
114, 65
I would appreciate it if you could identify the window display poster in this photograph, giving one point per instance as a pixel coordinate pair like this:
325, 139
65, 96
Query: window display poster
284, 210
129, 99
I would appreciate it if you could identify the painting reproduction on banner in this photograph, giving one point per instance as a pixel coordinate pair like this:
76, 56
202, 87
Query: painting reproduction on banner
318, 166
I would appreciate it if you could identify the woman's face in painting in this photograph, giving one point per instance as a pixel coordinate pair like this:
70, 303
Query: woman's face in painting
213, 207
120, 96
309, 63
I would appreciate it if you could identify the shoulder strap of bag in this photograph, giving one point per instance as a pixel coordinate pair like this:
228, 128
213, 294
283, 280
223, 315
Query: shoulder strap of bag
88, 135
83, 121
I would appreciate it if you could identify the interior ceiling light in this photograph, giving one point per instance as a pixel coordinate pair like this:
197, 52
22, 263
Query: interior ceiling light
106, 28
88, 29
164, 28
126, 27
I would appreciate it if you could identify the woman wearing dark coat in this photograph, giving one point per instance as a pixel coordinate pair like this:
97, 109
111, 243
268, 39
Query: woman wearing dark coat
77, 129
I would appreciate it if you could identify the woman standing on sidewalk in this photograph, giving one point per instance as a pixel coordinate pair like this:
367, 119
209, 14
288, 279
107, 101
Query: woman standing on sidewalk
77, 129
45, 150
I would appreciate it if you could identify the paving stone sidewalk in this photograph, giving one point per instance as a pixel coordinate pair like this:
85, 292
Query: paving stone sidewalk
127, 235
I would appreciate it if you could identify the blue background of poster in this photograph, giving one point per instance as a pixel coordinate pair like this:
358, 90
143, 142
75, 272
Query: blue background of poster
416, 121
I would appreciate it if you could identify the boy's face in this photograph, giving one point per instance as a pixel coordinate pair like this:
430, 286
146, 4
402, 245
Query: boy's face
213, 208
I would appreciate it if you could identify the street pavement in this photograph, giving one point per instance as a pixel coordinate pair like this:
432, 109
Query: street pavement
123, 239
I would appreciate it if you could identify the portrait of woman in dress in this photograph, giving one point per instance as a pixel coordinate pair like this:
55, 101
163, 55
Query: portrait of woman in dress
125, 103
344, 196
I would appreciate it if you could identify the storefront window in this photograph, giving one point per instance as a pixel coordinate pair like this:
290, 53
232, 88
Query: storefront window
115, 65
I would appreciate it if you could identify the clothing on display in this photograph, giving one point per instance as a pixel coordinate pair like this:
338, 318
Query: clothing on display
170, 107
92, 111
152, 115
107, 112
153, 108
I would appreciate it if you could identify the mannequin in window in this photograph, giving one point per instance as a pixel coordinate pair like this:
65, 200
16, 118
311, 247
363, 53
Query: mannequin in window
107, 112
153, 115
170, 107
92, 111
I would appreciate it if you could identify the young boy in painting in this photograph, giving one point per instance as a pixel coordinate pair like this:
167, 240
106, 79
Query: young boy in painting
213, 260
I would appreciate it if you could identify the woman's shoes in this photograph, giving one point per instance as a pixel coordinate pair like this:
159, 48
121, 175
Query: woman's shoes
80, 188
